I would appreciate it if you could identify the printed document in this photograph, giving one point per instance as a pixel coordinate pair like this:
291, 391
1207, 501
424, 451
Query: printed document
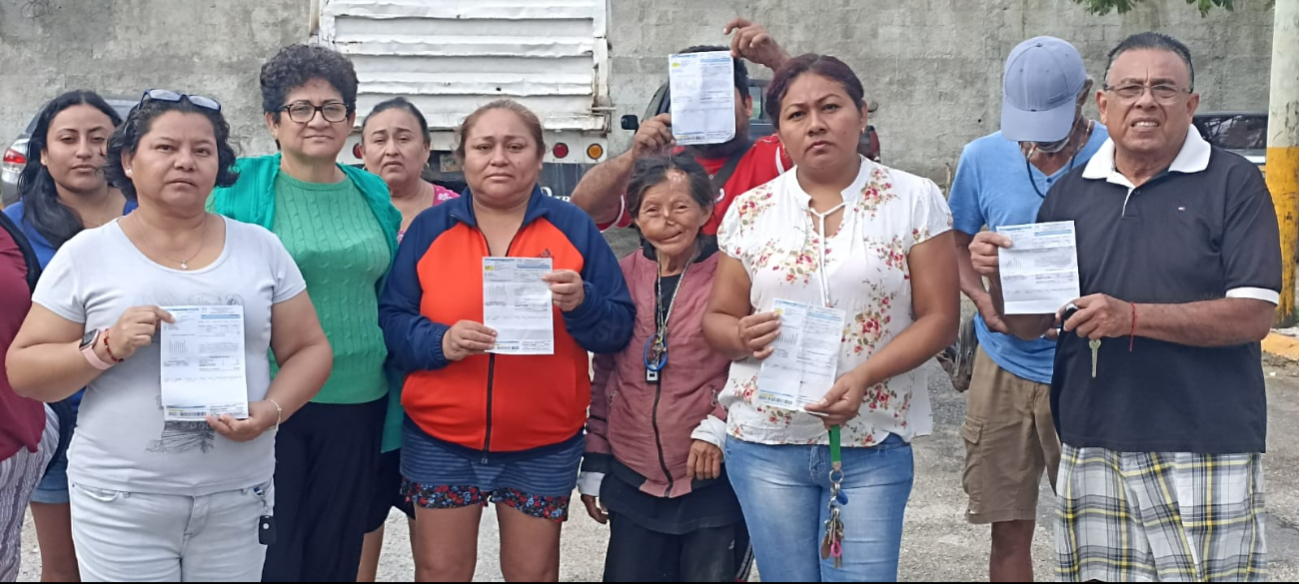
203, 363
802, 368
702, 88
517, 305
1039, 274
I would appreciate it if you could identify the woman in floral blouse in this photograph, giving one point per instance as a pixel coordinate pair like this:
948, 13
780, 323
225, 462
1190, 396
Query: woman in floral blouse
888, 262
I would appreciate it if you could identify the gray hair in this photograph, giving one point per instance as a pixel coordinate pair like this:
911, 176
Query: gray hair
1156, 41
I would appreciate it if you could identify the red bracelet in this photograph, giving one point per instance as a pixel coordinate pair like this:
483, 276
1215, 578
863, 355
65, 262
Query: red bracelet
1132, 339
109, 348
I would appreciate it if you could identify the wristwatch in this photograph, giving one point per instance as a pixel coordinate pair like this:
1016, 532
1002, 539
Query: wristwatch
88, 350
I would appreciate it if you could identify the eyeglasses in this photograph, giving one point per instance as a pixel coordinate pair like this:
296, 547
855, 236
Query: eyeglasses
1161, 93
176, 97
303, 112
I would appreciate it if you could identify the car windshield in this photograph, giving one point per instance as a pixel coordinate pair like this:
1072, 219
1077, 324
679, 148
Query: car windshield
1234, 131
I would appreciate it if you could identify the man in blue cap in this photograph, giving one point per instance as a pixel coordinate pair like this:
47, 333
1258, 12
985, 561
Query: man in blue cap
1002, 179
1158, 390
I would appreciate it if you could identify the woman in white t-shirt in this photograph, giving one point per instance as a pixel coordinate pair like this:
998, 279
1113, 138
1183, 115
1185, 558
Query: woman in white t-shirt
889, 266
172, 482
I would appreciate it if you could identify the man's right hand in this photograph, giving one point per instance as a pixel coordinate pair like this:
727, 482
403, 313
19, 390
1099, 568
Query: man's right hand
467, 338
990, 316
654, 137
984, 252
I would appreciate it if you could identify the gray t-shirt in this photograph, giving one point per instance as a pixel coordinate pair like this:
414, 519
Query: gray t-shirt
122, 442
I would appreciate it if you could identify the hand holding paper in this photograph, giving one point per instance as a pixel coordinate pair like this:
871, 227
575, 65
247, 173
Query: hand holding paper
1039, 272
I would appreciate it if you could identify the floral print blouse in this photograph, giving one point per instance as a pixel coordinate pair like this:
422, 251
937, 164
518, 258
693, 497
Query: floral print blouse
771, 231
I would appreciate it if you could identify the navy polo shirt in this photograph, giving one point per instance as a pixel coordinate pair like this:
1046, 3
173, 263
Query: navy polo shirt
1203, 230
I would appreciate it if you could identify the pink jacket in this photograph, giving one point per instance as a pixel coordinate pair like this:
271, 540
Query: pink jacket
646, 426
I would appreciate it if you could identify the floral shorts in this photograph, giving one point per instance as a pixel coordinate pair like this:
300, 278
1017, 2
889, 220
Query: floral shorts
444, 497
438, 475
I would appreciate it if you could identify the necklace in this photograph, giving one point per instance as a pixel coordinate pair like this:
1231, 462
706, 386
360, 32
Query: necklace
1077, 147
184, 264
656, 349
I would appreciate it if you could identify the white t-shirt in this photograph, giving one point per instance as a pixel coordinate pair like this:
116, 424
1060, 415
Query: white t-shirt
770, 230
121, 442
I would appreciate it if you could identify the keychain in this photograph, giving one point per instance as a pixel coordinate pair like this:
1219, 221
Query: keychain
832, 544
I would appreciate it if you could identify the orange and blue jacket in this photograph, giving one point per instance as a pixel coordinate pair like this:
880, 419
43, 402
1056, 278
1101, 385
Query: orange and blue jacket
499, 403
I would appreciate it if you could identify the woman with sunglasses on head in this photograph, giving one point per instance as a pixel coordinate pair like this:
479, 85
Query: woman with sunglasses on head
339, 225
63, 191
395, 145
152, 499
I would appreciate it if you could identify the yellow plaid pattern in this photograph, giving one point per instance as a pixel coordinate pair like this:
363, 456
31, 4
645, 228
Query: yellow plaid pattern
1166, 517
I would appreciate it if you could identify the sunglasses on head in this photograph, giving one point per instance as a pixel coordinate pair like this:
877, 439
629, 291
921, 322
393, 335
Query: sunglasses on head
175, 97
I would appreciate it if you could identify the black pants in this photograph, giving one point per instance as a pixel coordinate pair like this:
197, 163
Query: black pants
636, 554
323, 485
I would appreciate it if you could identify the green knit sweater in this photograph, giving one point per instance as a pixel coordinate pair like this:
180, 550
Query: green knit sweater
340, 248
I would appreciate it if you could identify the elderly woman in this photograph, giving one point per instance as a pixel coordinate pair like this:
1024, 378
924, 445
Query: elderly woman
64, 191
340, 227
484, 427
395, 146
653, 453
845, 233
154, 498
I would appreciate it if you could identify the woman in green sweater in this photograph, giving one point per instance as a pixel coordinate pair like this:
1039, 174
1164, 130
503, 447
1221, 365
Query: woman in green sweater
339, 225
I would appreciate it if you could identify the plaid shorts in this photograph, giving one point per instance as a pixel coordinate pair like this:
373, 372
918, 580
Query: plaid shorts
1169, 517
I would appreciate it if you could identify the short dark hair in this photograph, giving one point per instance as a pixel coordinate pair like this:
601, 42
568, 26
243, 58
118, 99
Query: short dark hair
402, 104
42, 208
1156, 41
741, 70
140, 122
529, 118
653, 170
823, 65
296, 65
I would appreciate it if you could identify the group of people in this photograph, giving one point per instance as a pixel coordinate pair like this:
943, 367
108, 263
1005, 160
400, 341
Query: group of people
373, 385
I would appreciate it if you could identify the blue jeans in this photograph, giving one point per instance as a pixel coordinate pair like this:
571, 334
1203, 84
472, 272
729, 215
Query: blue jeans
784, 491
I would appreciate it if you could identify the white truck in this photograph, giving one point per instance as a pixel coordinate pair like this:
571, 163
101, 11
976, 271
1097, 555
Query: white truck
449, 57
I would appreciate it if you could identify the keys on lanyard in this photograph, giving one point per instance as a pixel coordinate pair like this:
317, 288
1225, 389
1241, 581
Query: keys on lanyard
832, 543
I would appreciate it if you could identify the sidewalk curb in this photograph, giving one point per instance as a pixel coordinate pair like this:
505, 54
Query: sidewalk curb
1281, 346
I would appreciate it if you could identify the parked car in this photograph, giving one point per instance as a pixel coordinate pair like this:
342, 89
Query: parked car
1244, 133
759, 123
15, 157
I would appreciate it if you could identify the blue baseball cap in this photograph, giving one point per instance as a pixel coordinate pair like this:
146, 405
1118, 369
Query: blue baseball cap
1039, 94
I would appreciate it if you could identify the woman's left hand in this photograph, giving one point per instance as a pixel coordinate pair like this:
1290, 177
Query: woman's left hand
262, 416
567, 289
704, 462
843, 402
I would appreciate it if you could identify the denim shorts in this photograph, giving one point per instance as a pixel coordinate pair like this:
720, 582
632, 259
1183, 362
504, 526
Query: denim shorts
53, 488
438, 475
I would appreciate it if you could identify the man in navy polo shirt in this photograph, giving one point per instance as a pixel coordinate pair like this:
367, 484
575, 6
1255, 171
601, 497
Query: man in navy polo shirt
1002, 178
1163, 423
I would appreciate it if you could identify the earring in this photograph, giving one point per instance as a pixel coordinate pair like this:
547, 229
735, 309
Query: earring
128, 172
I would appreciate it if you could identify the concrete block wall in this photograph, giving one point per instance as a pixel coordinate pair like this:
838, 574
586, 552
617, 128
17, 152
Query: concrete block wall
123, 47
935, 66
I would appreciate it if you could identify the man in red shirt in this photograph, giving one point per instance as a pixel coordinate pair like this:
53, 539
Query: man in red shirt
601, 191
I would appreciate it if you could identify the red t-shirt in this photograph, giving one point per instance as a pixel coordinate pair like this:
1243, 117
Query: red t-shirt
21, 420
764, 161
